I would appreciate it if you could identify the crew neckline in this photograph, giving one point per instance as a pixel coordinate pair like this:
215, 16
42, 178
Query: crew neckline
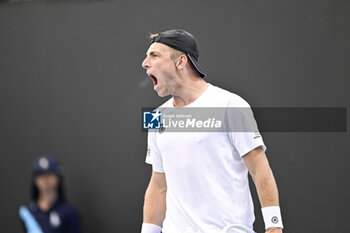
195, 101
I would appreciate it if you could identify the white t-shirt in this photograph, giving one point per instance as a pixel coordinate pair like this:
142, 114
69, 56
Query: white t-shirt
207, 179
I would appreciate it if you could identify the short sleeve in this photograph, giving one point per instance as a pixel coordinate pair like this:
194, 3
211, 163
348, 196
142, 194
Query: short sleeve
243, 130
153, 155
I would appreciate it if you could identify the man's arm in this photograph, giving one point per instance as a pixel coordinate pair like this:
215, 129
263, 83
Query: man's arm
155, 200
264, 180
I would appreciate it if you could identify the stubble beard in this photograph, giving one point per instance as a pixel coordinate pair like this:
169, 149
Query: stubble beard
170, 86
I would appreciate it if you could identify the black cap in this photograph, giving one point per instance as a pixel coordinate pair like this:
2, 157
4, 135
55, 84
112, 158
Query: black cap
182, 41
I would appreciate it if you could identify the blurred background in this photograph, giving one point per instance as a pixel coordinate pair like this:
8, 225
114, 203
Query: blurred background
72, 86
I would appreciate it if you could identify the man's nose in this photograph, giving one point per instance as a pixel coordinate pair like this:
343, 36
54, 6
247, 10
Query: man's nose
145, 63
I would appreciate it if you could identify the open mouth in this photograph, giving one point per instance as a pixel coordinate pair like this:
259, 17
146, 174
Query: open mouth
154, 79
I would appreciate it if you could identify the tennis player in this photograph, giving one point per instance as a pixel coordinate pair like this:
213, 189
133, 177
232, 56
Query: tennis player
199, 181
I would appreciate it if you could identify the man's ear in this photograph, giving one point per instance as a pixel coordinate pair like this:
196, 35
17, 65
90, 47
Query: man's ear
181, 61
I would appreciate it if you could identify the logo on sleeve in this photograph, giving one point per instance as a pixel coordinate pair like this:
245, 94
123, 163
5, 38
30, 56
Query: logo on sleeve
256, 135
151, 120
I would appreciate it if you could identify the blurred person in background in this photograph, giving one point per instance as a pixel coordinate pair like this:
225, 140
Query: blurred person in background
49, 211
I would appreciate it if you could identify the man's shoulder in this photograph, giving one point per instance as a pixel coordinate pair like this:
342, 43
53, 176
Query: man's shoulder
231, 99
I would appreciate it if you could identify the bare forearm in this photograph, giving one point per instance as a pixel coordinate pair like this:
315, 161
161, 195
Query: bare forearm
263, 178
154, 205
268, 194
266, 187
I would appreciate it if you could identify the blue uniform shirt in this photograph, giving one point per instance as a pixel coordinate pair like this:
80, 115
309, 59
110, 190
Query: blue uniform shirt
61, 218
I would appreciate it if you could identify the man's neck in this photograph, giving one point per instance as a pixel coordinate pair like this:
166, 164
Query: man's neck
189, 91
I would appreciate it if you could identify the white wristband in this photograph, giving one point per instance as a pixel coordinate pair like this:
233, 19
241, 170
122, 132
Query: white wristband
150, 228
272, 216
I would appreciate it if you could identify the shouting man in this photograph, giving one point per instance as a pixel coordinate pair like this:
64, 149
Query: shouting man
200, 181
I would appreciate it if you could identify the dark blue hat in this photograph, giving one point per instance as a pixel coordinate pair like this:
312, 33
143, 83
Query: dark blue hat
46, 164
